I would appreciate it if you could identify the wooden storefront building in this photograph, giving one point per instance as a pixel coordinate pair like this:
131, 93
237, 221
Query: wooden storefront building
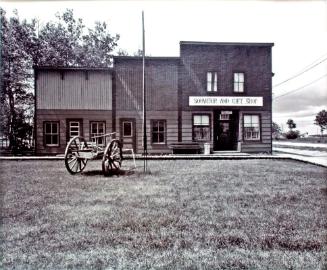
217, 93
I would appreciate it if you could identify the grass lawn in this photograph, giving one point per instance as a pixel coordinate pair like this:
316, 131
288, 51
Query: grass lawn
187, 214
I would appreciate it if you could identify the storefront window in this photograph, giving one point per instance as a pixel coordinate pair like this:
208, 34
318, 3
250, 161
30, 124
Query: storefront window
201, 128
251, 127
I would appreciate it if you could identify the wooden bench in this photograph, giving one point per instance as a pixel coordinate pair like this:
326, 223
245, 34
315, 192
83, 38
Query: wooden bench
185, 148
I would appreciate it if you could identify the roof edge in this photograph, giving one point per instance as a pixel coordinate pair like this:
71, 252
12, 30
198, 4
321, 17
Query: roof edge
147, 57
257, 44
71, 68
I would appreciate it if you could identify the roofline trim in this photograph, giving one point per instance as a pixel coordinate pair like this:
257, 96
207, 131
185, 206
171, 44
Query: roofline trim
72, 68
171, 58
256, 44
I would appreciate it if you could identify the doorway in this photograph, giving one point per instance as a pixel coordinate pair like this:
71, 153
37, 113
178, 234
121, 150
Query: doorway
225, 130
128, 133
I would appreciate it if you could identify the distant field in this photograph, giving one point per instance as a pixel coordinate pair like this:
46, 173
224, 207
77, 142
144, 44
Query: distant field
226, 214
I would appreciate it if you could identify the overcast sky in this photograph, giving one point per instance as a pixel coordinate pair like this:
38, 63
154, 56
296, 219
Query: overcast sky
298, 29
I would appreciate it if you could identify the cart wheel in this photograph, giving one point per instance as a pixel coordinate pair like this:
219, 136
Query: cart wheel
74, 164
112, 157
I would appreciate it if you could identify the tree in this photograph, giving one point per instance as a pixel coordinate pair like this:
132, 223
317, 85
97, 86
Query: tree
276, 130
64, 42
321, 121
291, 124
16, 74
122, 52
291, 134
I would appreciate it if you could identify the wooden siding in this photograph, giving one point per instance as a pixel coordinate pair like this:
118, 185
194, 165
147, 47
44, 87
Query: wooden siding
74, 89
161, 85
171, 125
61, 116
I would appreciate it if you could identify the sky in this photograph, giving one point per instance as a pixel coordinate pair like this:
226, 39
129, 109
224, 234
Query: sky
297, 28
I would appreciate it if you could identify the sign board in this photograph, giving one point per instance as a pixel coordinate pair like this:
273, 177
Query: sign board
226, 112
225, 101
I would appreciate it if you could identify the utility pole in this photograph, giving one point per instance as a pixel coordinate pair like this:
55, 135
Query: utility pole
145, 151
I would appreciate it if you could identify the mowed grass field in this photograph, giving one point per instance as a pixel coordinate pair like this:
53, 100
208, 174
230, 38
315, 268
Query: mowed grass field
186, 214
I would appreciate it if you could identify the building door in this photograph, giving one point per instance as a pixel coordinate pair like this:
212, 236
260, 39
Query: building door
74, 128
225, 130
128, 133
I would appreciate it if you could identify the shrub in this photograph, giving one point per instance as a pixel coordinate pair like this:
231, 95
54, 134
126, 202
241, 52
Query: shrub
291, 135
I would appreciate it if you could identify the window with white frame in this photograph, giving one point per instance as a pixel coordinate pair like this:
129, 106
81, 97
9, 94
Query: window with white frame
158, 131
74, 129
201, 127
51, 133
97, 129
251, 127
212, 81
239, 82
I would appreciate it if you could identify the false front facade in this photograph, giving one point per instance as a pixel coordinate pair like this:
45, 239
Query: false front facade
216, 93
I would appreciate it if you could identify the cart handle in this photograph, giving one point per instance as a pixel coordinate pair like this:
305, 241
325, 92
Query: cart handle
104, 135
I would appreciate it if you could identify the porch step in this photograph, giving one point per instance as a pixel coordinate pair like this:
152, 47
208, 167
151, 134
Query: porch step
229, 153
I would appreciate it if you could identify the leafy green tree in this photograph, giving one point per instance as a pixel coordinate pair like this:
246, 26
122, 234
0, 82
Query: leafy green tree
321, 121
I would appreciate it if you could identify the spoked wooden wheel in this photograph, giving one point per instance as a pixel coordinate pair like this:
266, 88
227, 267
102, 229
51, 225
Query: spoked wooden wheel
73, 161
112, 158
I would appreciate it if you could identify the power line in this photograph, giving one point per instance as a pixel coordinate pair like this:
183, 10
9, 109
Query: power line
305, 70
304, 86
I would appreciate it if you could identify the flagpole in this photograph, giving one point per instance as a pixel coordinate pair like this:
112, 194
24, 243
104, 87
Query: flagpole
144, 97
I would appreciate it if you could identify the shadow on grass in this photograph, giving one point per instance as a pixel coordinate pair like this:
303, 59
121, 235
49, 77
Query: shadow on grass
115, 173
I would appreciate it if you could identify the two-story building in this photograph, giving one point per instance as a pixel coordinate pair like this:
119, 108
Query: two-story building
217, 93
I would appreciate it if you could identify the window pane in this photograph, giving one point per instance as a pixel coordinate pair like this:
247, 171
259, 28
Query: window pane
197, 119
209, 81
47, 128
161, 137
255, 119
54, 128
127, 129
94, 128
155, 125
236, 87
215, 83
101, 128
54, 139
74, 124
201, 133
205, 120
161, 126
235, 77
247, 119
241, 87
241, 77
154, 137
209, 76
47, 139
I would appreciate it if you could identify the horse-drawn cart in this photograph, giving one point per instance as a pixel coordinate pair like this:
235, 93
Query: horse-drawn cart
79, 151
